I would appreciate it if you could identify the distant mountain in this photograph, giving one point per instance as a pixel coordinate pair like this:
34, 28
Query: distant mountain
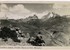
34, 17
49, 15
32, 25
56, 23
50, 21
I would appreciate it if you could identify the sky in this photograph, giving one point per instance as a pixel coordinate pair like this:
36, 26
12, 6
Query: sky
23, 10
62, 8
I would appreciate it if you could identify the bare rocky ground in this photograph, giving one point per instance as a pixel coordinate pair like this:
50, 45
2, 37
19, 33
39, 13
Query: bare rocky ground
47, 39
10, 42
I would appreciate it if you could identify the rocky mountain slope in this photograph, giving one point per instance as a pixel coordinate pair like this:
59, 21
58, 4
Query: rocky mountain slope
47, 25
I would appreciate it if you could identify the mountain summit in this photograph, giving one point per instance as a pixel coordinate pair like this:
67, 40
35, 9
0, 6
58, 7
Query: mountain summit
49, 15
30, 18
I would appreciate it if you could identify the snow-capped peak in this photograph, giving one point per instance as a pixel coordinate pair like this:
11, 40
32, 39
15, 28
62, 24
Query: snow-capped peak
49, 15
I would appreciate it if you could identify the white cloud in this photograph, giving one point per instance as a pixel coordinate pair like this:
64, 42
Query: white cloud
3, 8
3, 11
20, 9
17, 11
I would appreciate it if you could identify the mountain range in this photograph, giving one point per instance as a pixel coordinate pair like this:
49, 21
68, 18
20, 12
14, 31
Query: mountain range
50, 22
